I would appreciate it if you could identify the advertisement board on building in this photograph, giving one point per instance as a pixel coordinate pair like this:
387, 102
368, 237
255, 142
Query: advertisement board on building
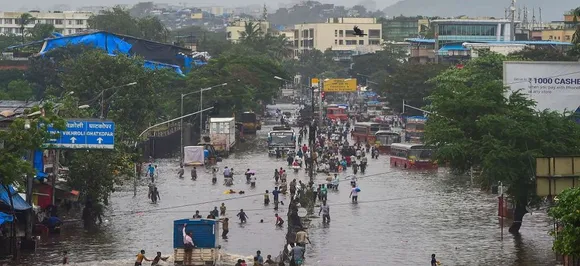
339, 85
553, 85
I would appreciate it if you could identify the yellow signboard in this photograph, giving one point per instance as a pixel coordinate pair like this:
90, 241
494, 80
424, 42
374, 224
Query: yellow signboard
554, 174
314, 82
339, 85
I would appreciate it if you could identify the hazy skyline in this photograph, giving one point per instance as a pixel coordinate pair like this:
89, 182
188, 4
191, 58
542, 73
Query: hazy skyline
26, 5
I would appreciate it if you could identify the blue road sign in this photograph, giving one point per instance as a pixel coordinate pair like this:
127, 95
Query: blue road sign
81, 134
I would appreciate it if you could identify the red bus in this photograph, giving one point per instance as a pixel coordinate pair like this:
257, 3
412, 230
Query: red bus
412, 156
336, 113
384, 140
365, 132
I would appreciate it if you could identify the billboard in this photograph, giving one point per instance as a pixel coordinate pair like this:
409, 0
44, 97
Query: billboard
339, 85
553, 85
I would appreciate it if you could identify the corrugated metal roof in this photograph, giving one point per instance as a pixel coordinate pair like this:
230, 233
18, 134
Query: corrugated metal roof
453, 47
419, 40
221, 119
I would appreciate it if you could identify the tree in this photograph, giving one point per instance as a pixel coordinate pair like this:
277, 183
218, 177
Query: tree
252, 32
41, 31
131, 107
7, 40
385, 61
19, 90
543, 54
118, 20
474, 125
409, 83
24, 20
566, 213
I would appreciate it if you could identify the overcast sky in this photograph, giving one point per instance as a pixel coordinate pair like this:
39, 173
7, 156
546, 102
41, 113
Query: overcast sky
24, 5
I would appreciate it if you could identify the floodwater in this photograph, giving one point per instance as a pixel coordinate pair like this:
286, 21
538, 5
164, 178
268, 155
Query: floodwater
401, 219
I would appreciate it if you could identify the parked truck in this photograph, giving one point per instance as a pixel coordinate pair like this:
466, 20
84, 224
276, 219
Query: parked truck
222, 133
205, 234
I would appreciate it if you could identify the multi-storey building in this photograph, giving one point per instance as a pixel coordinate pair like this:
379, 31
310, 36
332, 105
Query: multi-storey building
236, 28
399, 28
337, 34
560, 30
67, 22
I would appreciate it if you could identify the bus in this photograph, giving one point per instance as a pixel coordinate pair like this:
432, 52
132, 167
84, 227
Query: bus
282, 138
337, 113
412, 156
415, 129
384, 140
365, 132
250, 123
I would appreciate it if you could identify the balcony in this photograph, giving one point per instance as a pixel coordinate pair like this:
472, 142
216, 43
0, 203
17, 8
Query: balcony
422, 53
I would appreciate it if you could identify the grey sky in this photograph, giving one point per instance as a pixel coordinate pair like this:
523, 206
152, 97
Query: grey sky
24, 5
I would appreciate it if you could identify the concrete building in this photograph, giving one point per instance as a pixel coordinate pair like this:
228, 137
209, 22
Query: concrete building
399, 28
67, 22
337, 34
560, 30
235, 28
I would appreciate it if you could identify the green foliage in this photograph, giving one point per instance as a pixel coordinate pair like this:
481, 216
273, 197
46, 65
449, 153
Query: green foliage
7, 40
41, 31
250, 77
409, 82
131, 107
474, 125
118, 20
544, 54
19, 140
566, 212
17, 90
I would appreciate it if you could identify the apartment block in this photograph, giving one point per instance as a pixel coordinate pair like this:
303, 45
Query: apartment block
236, 29
337, 34
67, 22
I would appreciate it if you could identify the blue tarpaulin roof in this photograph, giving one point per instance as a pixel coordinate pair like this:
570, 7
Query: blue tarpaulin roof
453, 47
156, 65
19, 203
38, 163
101, 40
4, 217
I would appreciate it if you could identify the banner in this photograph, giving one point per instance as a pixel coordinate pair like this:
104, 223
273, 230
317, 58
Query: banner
553, 85
339, 85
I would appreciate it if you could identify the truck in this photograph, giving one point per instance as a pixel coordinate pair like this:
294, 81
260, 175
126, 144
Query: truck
205, 234
222, 133
282, 138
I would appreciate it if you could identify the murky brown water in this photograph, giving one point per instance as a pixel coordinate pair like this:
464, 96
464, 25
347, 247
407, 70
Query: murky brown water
401, 218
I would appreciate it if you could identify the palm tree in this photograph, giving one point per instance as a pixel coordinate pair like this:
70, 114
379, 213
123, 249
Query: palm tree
252, 32
576, 36
24, 20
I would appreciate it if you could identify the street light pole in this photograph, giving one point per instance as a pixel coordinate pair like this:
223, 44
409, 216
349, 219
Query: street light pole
200, 118
154, 126
103, 96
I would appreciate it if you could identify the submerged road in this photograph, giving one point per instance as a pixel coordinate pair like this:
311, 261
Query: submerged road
401, 219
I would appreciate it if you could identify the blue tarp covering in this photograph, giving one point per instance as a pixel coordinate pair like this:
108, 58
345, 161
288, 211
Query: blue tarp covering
19, 203
156, 65
4, 217
102, 40
370, 94
38, 163
453, 47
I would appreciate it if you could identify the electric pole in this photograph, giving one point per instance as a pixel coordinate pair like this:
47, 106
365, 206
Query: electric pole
513, 21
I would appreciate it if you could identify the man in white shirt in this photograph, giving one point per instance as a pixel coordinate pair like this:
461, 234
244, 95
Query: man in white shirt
188, 246
354, 194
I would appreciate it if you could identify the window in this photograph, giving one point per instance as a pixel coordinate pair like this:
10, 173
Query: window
49, 21
335, 41
468, 30
374, 33
374, 42
311, 33
350, 42
229, 35
567, 37
335, 33
58, 22
340, 33
301, 43
7, 21
334, 20
70, 22
296, 34
80, 22
340, 42
361, 42
351, 32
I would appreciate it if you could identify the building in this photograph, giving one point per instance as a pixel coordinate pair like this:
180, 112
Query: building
337, 34
560, 30
450, 34
236, 28
67, 22
400, 28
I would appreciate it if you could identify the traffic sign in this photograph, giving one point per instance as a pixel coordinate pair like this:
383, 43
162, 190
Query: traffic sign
82, 134
339, 85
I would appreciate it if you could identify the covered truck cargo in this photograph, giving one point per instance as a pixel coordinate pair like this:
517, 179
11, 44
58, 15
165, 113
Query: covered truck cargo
193, 156
222, 132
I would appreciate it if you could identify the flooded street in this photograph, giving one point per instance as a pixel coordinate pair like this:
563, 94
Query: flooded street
401, 219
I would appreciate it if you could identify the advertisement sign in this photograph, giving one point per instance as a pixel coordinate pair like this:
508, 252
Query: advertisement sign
314, 82
553, 85
339, 85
